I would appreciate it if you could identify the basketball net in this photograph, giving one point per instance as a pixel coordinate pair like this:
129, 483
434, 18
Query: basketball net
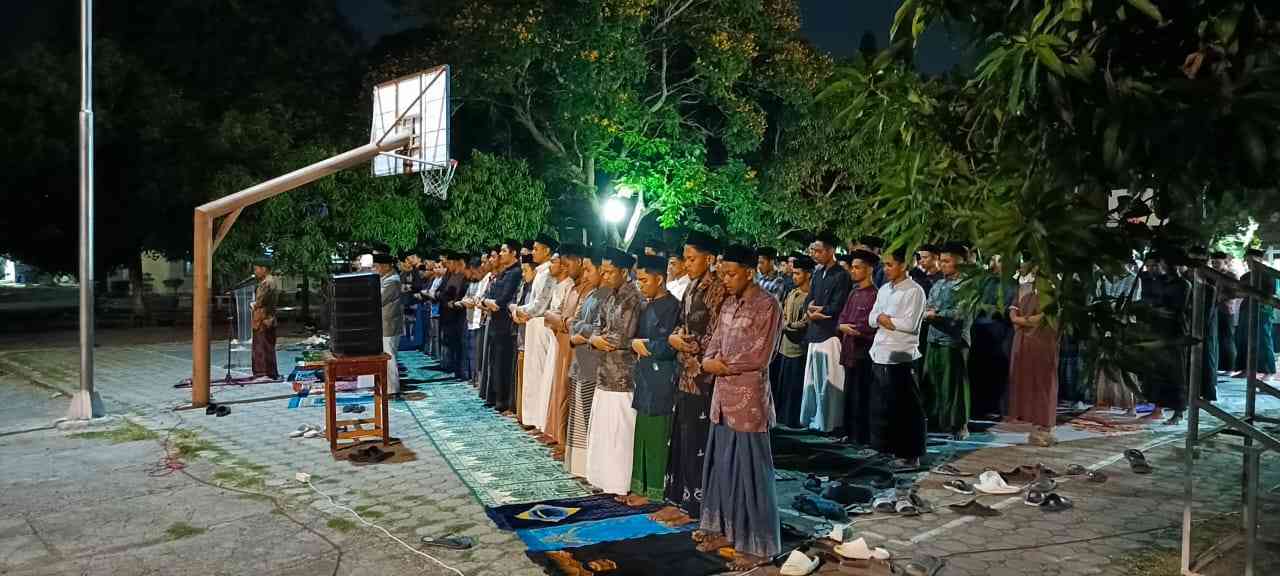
436, 180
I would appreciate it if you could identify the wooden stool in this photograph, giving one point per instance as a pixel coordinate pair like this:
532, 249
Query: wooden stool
336, 367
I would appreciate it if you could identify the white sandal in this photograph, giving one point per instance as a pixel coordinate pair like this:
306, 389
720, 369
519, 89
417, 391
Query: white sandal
798, 564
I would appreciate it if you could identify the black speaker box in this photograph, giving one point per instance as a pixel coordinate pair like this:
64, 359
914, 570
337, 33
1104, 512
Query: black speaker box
355, 314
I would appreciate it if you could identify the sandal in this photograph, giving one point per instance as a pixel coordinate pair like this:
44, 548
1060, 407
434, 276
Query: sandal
958, 486
949, 470
1077, 470
906, 507
222, 410
1095, 477
602, 565
923, 565
974, 508
450, 542
1137, 461
1033, 498
1055, 503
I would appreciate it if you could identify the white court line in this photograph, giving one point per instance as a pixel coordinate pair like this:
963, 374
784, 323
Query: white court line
921, 537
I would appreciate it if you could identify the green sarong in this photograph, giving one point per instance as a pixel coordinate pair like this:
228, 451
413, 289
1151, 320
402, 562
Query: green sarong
649, 463
946, 388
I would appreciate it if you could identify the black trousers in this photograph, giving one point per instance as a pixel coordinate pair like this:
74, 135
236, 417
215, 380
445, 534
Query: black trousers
500, 365
858, 409
898, 424
989, 367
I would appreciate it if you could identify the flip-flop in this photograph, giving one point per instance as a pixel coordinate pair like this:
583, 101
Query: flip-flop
813, 484
1033, 498
1137, 461
906, 507
798, 564
958, 486
1045, 485
211, 409
923, 565
222, 411
1055, 503
450, 542
313, 433
885, 502
974, 508
1095, 476
1076, 470
949, 470
299, 431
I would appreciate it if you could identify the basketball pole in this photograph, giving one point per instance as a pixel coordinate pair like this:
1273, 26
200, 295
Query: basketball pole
86, 403
205, 242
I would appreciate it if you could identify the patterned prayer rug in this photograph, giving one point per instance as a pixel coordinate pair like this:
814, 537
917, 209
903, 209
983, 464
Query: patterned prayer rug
492, 454
596, 507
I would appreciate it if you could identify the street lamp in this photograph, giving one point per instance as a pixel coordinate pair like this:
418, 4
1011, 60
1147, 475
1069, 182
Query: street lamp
615, 210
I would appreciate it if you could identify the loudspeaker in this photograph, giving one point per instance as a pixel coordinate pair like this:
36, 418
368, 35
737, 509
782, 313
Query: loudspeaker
355, 314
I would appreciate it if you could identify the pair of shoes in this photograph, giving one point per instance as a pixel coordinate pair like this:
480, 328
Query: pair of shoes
306, 431
369, 455
353, 408
1051, 502
217, 410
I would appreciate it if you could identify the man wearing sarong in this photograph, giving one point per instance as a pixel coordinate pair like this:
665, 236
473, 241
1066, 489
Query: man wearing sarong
792, 347
265, 299
500, 356
655, 380
563, 308
898, 423
740, 505
537, 388
699, 309
822, 407
586, 362
946, 375
392, 316
613, 420
527, 268
856, 335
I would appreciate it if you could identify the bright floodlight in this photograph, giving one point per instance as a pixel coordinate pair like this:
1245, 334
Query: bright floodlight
614, 210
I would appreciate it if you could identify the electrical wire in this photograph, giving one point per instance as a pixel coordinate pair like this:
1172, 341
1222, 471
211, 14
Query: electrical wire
384, 531
172, 463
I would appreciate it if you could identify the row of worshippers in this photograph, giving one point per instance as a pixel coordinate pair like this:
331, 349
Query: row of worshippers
643, 394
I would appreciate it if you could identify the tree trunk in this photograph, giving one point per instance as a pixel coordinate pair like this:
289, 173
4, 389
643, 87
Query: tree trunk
138, 304
306, 298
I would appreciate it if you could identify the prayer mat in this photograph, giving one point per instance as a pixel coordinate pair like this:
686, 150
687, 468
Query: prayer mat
491, 454
660, 554
594, 532
596, 507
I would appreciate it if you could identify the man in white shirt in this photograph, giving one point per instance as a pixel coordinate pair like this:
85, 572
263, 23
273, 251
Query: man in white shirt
538, 339
898, 424
677, 281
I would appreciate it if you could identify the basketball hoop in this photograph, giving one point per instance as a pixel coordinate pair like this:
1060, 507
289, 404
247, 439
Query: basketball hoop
435, 181
416, 105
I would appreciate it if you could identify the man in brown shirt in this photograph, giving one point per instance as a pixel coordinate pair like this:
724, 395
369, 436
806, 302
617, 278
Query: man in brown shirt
265, 300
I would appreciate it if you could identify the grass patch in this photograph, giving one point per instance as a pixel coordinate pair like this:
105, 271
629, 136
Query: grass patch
341, 524
250, 466
1164, 561
190, 445
128, 432
368, 513
180, 530
237, 478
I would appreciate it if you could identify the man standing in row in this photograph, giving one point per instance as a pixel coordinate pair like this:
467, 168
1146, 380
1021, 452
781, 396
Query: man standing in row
392, 317
898, 423
500, 357
563, 306
946, 376
655, 373
585, 365
792, 347
740, 507
700, 308
823, 404
452, 323
856, 335
613, 420
537, 390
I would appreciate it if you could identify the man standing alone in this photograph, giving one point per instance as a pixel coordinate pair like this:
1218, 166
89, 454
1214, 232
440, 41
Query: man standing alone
392, 316
265, 299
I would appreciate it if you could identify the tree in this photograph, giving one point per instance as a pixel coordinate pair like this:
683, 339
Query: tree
661, 97
493, 198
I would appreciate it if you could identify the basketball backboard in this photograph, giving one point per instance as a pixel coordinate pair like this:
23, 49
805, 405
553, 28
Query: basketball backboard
419, 104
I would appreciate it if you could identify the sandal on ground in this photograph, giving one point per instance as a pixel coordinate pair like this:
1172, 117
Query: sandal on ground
974, 508
949, 470
1033, 498
369, 455
906, 507
1095, 476
958, 486
797, 564
450, 542
1056, 503
1137, 461
1077, 470
300, 430
923, 565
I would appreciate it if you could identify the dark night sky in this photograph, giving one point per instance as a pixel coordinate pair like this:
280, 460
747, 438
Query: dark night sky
832, 25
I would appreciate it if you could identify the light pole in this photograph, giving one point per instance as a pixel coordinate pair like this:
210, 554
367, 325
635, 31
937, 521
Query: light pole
86, 403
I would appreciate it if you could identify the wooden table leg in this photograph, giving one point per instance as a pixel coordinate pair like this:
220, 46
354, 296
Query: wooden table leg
330, 406
384, 419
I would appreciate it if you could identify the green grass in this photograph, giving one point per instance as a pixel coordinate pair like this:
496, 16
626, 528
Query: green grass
341, 524
367, 513
180, 530
128, 432
238, 478
1163, 561
190, 445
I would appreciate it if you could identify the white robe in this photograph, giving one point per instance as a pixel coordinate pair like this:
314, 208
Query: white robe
536, 393
822, 407
612, 442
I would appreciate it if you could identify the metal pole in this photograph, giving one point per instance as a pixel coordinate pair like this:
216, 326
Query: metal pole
86, 404
1198, 330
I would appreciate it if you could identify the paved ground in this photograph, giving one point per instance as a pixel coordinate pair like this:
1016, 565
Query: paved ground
86, 505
